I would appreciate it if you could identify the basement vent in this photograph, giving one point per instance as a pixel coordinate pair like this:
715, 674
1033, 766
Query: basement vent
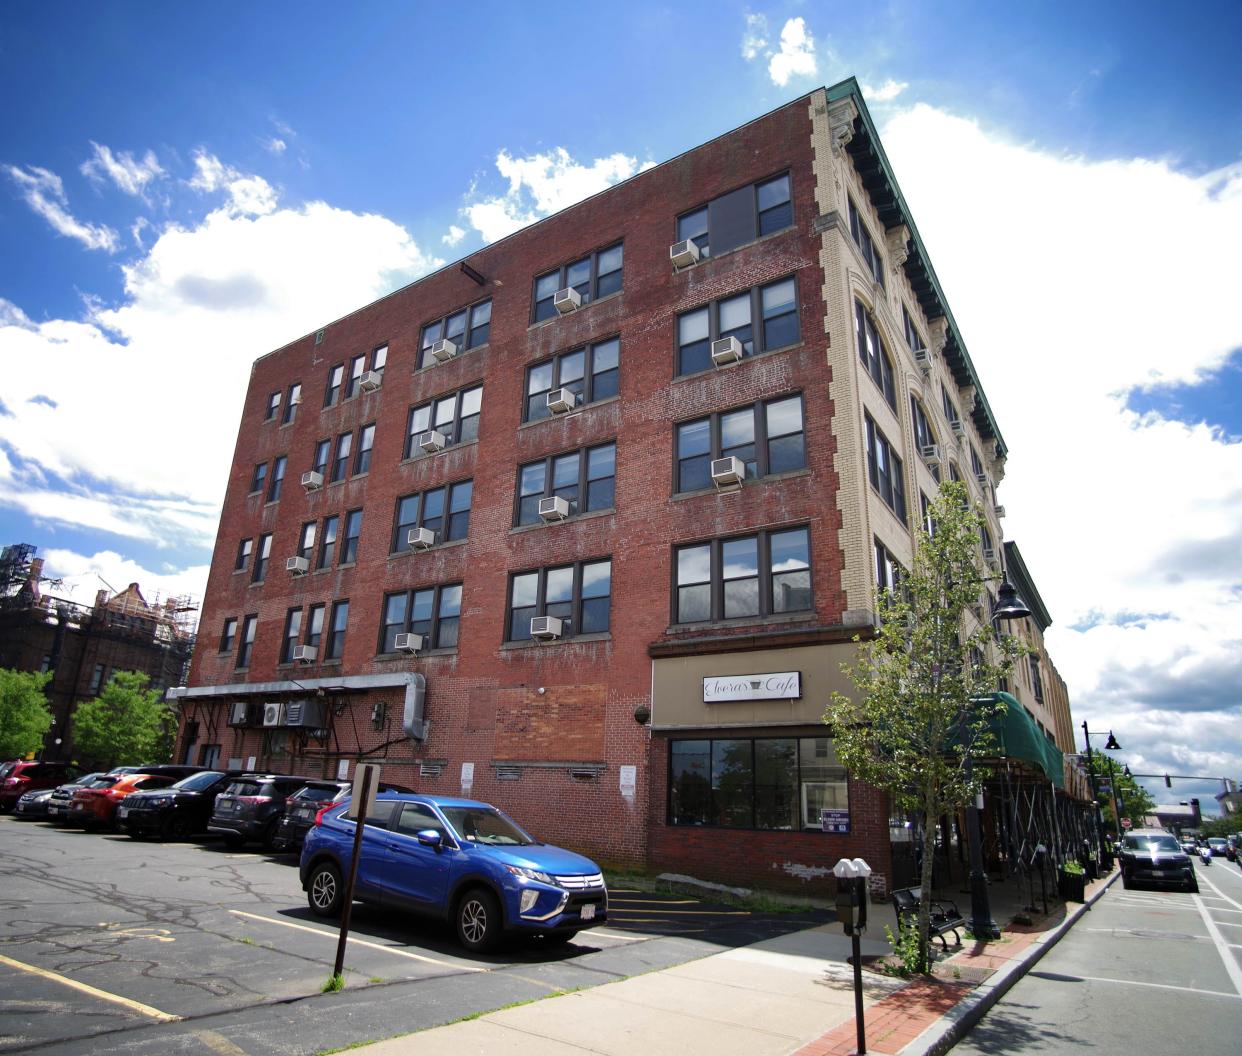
430, 770
508, 773
579, 773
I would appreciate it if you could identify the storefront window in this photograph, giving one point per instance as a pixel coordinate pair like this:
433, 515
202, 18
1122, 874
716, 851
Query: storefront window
733, 784
690, 784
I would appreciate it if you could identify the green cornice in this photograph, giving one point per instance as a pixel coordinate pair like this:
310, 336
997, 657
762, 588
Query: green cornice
1020, 577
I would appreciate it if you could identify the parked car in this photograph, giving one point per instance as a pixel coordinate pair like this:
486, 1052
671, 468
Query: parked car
61, 799
306, 802
251, 807
29, 776
95, 807
459, 860
175, 770
173, 813
1231, 848
1155, 856
32, 806
1219, 846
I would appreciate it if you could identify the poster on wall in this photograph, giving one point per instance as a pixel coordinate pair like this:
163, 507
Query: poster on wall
629, 781
467, 777
837, 821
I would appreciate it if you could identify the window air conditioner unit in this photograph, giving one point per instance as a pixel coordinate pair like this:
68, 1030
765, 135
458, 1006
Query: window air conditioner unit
420, 539
304, 654
930, 453
408, 643
683, 254
562, 401
239, 713
728, 472
999, 510
982, 478
307, 713
553, 508
444, 350
297, 566
370, 381
958, 427
545, 628
433, 440
922, 356
567, 300
273, 714
312, 480
725, 351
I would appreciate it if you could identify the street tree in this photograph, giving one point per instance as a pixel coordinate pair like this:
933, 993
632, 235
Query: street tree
1135, 801
125, 724
25, 715
925, 682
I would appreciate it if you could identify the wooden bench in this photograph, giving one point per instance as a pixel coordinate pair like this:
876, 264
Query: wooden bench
945, 918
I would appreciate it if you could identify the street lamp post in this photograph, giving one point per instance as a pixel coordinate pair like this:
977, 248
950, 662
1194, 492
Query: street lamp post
1106, 858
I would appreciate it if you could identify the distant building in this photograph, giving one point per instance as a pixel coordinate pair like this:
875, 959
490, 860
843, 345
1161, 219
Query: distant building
83, 646
1177, 816
1230, 799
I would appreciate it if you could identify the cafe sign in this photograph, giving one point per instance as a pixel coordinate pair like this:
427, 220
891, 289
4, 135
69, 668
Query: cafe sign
777, 685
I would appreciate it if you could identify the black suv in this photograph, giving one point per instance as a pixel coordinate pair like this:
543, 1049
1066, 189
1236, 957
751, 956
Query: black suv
175, 812
251, 806
307, 802
1155, 856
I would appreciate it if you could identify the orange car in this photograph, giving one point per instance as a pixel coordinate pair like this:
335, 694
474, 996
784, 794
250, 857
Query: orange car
93, 807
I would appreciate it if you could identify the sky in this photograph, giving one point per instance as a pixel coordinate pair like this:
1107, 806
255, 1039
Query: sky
184, 188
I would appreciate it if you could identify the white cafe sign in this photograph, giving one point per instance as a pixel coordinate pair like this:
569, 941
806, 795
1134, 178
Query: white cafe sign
776, 685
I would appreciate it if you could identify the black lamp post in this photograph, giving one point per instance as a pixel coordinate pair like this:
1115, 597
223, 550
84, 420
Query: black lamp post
1106, 857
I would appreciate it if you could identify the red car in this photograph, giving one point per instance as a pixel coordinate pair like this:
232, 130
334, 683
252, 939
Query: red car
95, 807
25, 776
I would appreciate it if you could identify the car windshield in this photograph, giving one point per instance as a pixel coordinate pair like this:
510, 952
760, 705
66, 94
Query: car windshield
245, 788
487, 825
1152, 843
1216, 842
104, 781
198, 782
317, 793
5, 768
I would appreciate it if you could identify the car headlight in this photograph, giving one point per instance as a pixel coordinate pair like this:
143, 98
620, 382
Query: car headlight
160, 801
531, 874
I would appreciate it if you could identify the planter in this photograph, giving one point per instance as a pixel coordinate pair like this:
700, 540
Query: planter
1072, 887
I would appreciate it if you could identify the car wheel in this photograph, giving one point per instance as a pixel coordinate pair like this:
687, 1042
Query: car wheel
1126, 882
1192, 885
268, 839
325, 891
234, 840
478, 920
134, 834
177, 827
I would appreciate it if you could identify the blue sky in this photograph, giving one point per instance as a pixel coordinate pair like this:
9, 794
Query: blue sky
183, 185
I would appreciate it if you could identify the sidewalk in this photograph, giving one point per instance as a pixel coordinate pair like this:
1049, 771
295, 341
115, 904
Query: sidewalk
792, 994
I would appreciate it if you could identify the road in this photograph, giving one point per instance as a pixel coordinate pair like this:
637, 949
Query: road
108, 945
1145, 971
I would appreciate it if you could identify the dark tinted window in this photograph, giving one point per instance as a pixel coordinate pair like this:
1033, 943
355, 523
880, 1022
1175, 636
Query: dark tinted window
198, 782
244, 788
415, 818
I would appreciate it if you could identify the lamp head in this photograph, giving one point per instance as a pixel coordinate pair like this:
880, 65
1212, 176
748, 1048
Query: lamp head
1009, 605
1111, 744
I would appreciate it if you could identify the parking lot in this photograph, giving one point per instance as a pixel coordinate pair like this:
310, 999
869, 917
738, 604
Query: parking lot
112, 945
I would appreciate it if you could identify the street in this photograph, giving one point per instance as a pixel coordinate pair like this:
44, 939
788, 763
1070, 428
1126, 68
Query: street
1145, 971
108, 945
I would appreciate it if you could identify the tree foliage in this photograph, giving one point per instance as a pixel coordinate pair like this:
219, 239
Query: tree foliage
926, 680
126, 724
25, 715
1136, 802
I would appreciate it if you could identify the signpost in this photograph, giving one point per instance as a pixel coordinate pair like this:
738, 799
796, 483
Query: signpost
366, 781
852, 912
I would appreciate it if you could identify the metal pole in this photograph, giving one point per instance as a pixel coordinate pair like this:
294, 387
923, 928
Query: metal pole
859, 1027
981, 922
359, 825
1095, 795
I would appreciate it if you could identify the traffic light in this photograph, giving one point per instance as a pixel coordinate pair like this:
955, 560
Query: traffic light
1168, 781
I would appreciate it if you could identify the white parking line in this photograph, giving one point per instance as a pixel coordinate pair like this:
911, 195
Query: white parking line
1157, 986
360, 942
1222, 947
616, 935
1221, 894
103, 995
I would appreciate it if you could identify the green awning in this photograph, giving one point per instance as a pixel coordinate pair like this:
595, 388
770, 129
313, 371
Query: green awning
1019, 738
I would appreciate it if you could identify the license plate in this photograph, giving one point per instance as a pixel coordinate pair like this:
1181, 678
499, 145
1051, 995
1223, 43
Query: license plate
79, 806
122, 811
588, 912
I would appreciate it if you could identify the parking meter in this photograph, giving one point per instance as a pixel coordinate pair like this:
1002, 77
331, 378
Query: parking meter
852, 895
845, 904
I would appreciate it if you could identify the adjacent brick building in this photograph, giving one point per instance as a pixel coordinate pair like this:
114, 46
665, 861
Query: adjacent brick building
388, 484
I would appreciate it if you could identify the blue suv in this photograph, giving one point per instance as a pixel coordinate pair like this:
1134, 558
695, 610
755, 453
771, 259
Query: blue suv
459, 860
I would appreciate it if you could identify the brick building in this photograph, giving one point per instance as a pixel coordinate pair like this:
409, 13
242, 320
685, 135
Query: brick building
585, 526
83, 646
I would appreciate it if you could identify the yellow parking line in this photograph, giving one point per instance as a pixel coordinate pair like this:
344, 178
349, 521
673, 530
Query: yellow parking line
361, 942
219, 1043
686, 912
116, 999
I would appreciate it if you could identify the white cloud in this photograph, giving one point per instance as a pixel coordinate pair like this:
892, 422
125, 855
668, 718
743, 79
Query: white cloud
755, 39
542, 184
248, 195
45, 194
275, 145
455, 235
126, 172
84, 574
886, 92
797, 55
1129, 523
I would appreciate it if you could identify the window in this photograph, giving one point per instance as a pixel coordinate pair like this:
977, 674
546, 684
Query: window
306, 541
344, 446
273, 405
278, 478
469, 328
366, 440
929, 522
336, 632
862, 237
373, 361
258, 478
314, 627
333, 391
97, 679
577, 594
321, 457
924, 435
353, 528
884, 469
739, 217
585, 479
873, 354
887, 571
433, 612
950, 408
985, 542
768, 438
456, 416
244, 549
209, 756
292, 403
590, 372
1037, 681
774, 305
912, 335
327, 544
722, 580
247, 640
293, 631
976, 466
427, 510
755, 783
261, 559
593, 277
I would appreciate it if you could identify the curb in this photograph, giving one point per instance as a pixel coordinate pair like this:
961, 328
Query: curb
958, 1021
